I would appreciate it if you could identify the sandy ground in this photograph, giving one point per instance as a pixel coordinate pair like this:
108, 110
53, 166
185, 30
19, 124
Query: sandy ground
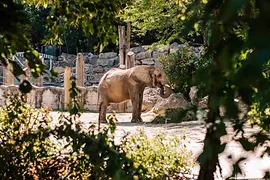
194, 131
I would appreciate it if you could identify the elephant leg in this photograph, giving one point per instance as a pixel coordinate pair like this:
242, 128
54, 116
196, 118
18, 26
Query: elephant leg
135, 99
102, 112
135, 112
140, 106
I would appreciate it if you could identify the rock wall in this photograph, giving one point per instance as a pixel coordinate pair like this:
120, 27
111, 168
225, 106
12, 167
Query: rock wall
52, 94
96, 65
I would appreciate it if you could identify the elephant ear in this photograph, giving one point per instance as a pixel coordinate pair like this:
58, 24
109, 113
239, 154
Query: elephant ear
142, 74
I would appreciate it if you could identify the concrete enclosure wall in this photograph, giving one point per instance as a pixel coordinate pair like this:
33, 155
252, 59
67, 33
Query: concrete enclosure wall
53, 97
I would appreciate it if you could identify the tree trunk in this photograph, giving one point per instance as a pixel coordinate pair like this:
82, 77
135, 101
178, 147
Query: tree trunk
209, 158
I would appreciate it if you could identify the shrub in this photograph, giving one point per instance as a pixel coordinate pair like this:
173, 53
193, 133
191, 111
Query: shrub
161, 157
25, 150
31, 148
180, 67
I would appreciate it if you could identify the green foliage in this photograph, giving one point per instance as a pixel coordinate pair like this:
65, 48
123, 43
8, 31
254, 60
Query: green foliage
259, 117
36, 30
162, 158
160, 18
181, 66
237, 47
94, 16
25, 150
33, 145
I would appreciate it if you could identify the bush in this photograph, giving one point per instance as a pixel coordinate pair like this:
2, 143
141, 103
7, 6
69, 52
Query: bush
162, 158
25, 149
31, 148
180, 67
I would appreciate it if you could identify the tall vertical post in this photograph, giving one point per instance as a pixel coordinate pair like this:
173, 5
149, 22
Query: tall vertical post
40, 78
80, 70
130, 59
26, 71
5, 74
8, 76
127, 46
67, 86
121, 32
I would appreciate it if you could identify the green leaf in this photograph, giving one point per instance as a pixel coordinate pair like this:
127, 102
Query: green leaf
54, 73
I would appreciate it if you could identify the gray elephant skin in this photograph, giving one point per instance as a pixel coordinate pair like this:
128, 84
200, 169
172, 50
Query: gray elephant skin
119, 85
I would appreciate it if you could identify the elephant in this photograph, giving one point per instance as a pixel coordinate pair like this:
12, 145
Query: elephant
119, 85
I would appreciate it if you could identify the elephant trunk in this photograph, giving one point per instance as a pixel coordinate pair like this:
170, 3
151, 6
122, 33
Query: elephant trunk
165, 91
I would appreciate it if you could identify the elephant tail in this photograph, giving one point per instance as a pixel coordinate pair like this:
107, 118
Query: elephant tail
97, 107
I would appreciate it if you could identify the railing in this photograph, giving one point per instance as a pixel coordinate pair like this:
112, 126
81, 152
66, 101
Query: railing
7, 78
21, 54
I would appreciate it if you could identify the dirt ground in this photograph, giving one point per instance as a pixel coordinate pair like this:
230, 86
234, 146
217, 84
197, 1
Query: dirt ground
194, 131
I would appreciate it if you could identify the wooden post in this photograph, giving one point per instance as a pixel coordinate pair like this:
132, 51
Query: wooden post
27, 71
130, 59
67, 86
40, 78
127, 46
121, 32
80, 70
5, 71
8, 76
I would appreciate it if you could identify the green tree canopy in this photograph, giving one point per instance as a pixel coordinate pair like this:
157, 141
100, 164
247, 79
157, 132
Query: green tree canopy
162, 18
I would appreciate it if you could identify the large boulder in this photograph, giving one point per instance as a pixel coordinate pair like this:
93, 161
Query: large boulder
107, 55
108, 62
94, 78
174, 47
93, 60
148, 61
156, 54
88, 68
98, 69
203, 102
174, 101
150, 96
143, 55
137, 49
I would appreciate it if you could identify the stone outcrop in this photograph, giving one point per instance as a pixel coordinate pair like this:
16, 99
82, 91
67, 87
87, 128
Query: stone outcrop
174, 101
150, 96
